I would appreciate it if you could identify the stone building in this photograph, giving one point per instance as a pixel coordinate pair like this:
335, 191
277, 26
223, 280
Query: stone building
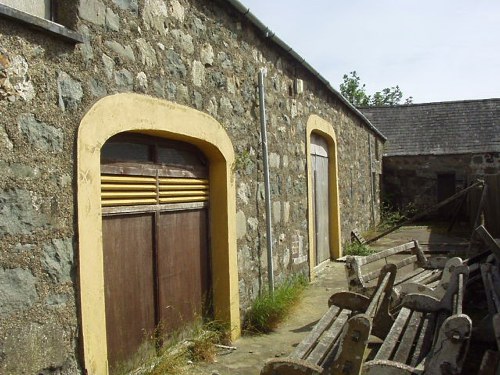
436, 149
132, 187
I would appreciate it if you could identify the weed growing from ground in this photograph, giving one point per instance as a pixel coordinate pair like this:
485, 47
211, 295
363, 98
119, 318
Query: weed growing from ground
355, 248
269, 309
171, 355
391, 216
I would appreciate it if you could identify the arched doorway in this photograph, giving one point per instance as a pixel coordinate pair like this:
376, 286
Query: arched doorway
155, 199
161, 119
323, 194
321, 198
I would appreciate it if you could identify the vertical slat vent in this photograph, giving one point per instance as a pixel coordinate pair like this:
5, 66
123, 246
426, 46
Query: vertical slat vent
120, 190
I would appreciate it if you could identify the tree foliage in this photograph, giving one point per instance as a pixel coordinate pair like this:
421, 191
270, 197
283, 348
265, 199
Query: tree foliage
355, 91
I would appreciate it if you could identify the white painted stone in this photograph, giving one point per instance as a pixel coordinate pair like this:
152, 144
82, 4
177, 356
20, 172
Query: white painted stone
244, 259
243, 192
155, 16
286, 212
276, 212
182, 93
146, 52
141, 82
293, 108
17, 82
286, 257
253, 223
225, 106
112, 20
285, 161
184, 41
207, 54
93, 11
241, 224
125, 52
198, 73
212, 106
177, 10
231, 85
109, 66
274, 160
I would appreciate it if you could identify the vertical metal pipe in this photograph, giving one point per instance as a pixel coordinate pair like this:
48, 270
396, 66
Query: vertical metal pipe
372, 178
267, 185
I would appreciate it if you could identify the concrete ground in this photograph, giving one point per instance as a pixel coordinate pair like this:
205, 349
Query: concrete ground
252, 351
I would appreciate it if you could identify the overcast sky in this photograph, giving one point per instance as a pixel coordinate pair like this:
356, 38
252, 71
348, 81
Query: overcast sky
435, 50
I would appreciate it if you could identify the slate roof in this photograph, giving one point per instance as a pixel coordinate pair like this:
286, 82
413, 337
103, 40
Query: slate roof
458, 127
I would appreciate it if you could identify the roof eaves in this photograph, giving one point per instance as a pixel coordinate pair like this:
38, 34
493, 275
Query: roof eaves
245, 11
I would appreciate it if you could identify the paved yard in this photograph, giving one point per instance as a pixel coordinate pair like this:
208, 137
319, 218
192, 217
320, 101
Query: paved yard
252, 351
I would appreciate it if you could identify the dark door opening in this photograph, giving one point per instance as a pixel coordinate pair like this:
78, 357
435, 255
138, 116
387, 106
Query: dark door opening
446, 187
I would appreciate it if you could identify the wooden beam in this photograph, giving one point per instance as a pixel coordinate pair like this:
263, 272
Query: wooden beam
489, 241
427, 211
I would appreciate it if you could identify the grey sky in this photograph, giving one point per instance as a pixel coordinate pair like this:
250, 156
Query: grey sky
434, 50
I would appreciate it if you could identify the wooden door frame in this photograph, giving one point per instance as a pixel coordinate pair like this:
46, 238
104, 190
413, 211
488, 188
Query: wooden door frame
143, 114
324, 129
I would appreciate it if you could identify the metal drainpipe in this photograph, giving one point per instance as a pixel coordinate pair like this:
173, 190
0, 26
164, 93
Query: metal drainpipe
372, 185
267, 185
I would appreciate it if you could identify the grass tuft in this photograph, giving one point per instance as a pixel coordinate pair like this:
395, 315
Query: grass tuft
391, 216
269, 309
355, 248
173, 355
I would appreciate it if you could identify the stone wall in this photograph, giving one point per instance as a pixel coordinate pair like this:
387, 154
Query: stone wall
413, 179
197, 53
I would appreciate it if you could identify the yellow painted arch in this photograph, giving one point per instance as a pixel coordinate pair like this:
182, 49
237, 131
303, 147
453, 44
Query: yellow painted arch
317, 125
132, 112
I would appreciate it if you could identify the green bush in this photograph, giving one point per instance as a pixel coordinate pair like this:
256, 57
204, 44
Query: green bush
269, 309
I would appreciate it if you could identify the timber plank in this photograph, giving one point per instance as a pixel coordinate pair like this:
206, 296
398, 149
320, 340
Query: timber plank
374, 274
385, 253
326, 341
392, 339
306, 345
405, 346
425, 336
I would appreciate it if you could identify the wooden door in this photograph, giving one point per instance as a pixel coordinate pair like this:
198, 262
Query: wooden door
183, 272
319, 160
128, 281
155, 239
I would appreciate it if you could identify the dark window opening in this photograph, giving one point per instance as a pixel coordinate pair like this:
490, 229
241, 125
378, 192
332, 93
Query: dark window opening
57, 17
129, 148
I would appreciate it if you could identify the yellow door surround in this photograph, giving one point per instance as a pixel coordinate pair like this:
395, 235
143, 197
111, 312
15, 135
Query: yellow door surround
317, 125
143, 114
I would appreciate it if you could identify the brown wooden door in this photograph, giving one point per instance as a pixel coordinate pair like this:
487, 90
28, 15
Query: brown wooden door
319, 160
128, 280
155, 239
183, 272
